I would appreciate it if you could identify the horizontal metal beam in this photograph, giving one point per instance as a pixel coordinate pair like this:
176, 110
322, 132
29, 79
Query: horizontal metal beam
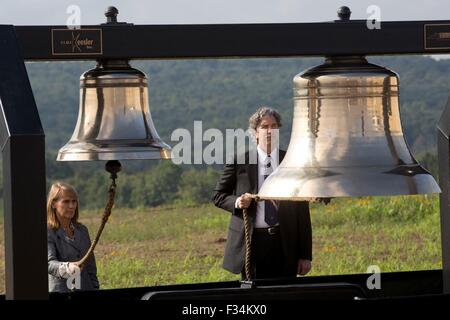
233, 40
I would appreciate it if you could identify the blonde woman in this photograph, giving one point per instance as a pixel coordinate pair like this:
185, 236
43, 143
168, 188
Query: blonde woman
68, 241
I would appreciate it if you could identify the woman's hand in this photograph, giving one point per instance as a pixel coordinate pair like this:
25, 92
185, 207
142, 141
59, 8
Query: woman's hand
68, 269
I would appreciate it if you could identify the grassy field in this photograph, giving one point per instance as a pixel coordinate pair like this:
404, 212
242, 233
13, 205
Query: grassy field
167, 245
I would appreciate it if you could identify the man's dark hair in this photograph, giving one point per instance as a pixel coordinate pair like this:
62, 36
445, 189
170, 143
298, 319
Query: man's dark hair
256, 118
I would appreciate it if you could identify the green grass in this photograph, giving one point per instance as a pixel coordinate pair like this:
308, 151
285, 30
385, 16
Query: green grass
171, 245
395, 233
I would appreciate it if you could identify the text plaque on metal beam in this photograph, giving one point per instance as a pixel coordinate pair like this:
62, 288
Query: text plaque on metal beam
77, 42
437, 36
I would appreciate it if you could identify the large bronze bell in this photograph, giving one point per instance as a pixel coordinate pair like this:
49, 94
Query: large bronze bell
347, 138
114, 120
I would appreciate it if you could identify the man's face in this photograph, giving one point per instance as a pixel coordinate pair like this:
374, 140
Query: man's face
267, 133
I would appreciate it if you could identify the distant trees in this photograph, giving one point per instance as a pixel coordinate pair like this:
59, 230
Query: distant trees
164, 183
197, 186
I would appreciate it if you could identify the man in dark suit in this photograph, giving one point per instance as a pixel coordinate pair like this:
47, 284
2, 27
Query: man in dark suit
281, 234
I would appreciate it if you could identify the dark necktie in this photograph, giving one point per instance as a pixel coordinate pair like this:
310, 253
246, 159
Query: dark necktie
270, 210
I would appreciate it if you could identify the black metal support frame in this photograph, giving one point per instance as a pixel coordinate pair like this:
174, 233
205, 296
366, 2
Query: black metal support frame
23, 147
443, 144
22, 136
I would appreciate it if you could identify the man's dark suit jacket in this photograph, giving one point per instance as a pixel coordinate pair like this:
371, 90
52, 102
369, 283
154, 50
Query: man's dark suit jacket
294, 218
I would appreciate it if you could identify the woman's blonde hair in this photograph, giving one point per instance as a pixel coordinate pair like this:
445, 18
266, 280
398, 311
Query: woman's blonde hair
55, 194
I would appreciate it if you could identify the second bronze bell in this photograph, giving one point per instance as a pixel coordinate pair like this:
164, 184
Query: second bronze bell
347, 139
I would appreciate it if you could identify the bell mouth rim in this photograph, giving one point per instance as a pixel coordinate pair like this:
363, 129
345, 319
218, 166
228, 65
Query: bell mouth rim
347, 182
315, 198
114, 150
157, 154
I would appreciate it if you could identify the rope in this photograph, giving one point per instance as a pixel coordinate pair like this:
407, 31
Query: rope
106, 214
113, 167
248, 241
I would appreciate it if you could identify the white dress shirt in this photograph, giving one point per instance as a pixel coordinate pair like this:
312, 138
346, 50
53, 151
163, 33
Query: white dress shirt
262, 159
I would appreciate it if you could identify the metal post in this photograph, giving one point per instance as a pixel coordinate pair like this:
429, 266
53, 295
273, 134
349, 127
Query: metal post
444, 182
23, 147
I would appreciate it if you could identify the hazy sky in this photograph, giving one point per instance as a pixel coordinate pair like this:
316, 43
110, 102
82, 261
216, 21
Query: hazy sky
53, 12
